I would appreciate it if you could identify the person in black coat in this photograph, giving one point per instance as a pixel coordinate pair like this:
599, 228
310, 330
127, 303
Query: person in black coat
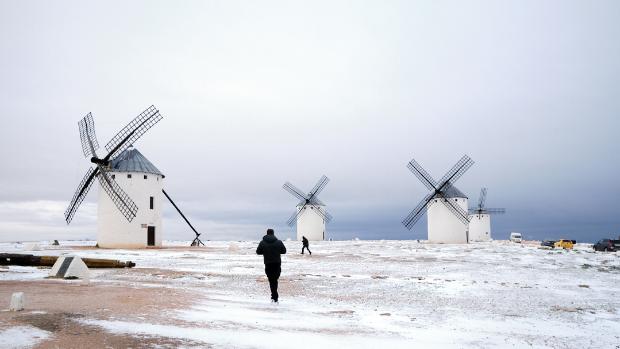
306, 244
271, 248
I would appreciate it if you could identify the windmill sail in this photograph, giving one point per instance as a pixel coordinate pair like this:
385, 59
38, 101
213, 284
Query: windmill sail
443, 190
308, 199
119, 143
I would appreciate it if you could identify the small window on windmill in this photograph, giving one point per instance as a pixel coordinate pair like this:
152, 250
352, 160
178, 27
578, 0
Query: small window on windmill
113, 176
457, 200
129, 175
145, 176
151, 202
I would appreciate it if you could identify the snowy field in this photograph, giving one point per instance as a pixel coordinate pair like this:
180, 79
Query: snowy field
357, 294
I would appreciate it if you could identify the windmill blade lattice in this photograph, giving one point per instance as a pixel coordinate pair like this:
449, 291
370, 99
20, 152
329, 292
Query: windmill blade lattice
132, 132
88, 136
295, 191
456, 171
320, 185
418, 211
483, 198
422, 175
81, 192
481, 209
324, 214
293, 218
328, 217
457, 210
122, 201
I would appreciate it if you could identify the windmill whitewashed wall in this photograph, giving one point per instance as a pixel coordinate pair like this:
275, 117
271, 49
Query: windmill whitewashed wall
480, 219
480, 227
310, 224
444, 227
143, 183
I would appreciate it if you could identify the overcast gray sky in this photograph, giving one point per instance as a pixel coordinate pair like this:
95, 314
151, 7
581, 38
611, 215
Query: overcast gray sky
257, 93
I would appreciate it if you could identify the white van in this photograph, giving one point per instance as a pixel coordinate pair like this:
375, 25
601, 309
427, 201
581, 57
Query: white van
516, 237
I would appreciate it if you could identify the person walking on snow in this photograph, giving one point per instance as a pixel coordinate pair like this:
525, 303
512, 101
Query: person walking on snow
306, 245
271, 248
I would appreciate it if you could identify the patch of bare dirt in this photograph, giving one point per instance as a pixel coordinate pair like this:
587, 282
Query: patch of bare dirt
58, 306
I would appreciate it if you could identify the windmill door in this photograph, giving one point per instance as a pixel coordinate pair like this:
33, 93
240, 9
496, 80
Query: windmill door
150, 241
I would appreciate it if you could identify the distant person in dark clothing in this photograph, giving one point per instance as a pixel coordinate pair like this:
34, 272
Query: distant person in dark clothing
306, 245
271, 248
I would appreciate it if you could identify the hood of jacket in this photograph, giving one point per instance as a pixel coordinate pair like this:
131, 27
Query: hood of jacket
270, 239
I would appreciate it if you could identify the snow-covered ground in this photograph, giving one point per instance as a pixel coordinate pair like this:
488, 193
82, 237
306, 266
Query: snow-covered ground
369, 294
21, 337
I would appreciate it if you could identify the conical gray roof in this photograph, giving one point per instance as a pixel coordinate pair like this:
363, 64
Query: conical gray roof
131, 160
453, 192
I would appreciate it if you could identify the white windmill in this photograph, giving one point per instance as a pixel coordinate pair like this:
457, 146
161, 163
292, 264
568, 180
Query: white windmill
480, 219
310, 214
128, 181
446, 205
